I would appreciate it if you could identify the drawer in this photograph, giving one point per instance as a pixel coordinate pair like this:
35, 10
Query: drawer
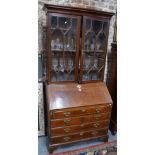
80, 111
78, 136
82, 127
79, 120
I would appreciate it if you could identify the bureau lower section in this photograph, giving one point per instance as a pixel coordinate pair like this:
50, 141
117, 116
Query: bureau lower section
78, 124
78, 136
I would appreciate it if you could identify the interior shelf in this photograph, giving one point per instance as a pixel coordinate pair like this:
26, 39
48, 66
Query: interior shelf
59, 50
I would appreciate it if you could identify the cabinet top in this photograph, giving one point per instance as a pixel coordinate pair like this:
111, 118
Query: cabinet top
71, 95
75, 10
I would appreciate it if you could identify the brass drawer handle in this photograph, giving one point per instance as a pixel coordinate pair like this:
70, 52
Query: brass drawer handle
82, 125
67, 121
83, 110
67, 138
98, 110
96, 125
81, 133
94, 132
67, 129
66, 114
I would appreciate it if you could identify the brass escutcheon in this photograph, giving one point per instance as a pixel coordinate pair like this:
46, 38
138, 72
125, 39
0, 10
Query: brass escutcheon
67, 129
82, 125
66, 138
81, 133
98, 110
83, 110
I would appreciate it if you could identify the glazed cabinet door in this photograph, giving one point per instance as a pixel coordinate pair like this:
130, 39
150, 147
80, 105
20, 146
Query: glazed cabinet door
94, 48
63, 47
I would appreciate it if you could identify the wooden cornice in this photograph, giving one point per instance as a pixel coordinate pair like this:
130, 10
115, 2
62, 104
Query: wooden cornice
75, 10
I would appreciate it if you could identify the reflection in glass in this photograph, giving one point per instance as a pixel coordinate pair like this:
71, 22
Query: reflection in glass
54, 22
105, 27
88, 24
74, 23
70, 40
64, 23
97, 26
87, 62
101, 42
57, 40
90, 41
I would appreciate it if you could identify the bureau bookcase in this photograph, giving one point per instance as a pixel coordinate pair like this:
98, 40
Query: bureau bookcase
78, 102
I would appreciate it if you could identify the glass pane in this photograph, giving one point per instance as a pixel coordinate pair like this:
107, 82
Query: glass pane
74, 23
63, 48
70, 40
88, 25
105, 27
70, 65
97, 26
94, 49
57, 40
54, 22
90, 41
101, 41
64, 23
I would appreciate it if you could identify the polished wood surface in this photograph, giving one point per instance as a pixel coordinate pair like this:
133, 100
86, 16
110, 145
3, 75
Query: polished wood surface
77, 112
79, 120
81, 111
77, 128
69, 95
77, 11
77, 136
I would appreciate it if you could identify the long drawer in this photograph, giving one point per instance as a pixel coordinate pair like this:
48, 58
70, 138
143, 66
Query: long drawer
77, 136
80, 111
75, 128
79, 120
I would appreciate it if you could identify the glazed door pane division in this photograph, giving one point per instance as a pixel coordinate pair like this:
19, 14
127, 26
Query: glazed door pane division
94, 48
64, 47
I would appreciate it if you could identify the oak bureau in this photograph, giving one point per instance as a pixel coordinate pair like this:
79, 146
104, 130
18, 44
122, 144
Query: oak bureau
77, 112
78, 102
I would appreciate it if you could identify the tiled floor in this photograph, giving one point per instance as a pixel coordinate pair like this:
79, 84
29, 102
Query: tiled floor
43, 148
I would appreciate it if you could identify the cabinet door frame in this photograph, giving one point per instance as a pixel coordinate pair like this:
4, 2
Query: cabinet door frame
82, 47
49, 55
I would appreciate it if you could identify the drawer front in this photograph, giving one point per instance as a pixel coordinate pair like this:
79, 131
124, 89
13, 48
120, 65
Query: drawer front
79, 120
80, 111
96, 117
78, 136
82, 127
65, 122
